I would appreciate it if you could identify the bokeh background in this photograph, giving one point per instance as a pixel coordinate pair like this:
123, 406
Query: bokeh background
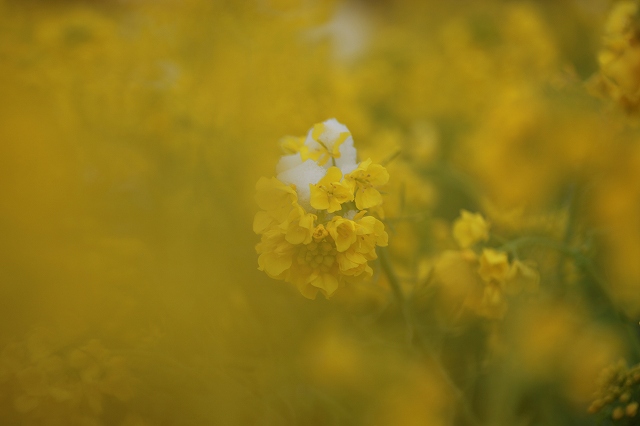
132, 133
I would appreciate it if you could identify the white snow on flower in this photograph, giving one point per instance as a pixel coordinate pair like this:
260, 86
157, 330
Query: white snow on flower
347, 161
292, 170
302, 176
288, 162
332, 133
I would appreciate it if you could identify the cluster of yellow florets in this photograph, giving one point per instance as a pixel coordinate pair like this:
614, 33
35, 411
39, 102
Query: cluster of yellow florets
314, 220
618, 391
480, 280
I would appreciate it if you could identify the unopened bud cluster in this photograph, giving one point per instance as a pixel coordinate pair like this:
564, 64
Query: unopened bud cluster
618, 392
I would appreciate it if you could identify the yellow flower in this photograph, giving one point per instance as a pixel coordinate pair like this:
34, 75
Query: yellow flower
494, 266
343, 232
469, 229
275, 197
291, 144
275, 254
354, 264
457, 283
320, 233
315, 268
330, 193
327, 144
263, 221
299, 226
369, 234
363, 181
371, 230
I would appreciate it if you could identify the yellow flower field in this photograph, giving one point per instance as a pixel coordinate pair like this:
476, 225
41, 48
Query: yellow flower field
319, 212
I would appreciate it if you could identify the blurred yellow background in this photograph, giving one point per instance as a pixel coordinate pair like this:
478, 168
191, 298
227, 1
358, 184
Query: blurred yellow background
132, 133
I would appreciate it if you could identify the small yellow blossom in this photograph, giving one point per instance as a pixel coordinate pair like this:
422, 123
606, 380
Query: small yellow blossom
364, 181
370, 233
327, 145
291, 144
494, 266
275, 254
469, 229
320, 233
275, 197
343, 232
299, 226
330, 193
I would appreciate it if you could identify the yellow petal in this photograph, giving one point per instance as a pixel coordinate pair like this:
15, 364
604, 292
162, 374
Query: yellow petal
367, 198
261, 222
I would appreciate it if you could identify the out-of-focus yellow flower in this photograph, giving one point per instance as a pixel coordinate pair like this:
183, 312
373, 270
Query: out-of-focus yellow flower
68, 385
291, 144
522, 276
470, 228
482, 283
553, 343
619, 58
456, 279
275, 197
494, 265
313, 235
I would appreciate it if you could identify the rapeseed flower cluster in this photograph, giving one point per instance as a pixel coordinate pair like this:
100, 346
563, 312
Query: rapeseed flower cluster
480, 280
317, 224
479, 247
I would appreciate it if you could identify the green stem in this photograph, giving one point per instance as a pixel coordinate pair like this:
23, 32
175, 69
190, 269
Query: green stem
394, 282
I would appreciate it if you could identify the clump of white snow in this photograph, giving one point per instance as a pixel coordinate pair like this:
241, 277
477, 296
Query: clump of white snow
302, 176
292, 170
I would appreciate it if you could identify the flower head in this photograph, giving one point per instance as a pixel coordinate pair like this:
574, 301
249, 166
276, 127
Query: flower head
470, 229
313, 235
